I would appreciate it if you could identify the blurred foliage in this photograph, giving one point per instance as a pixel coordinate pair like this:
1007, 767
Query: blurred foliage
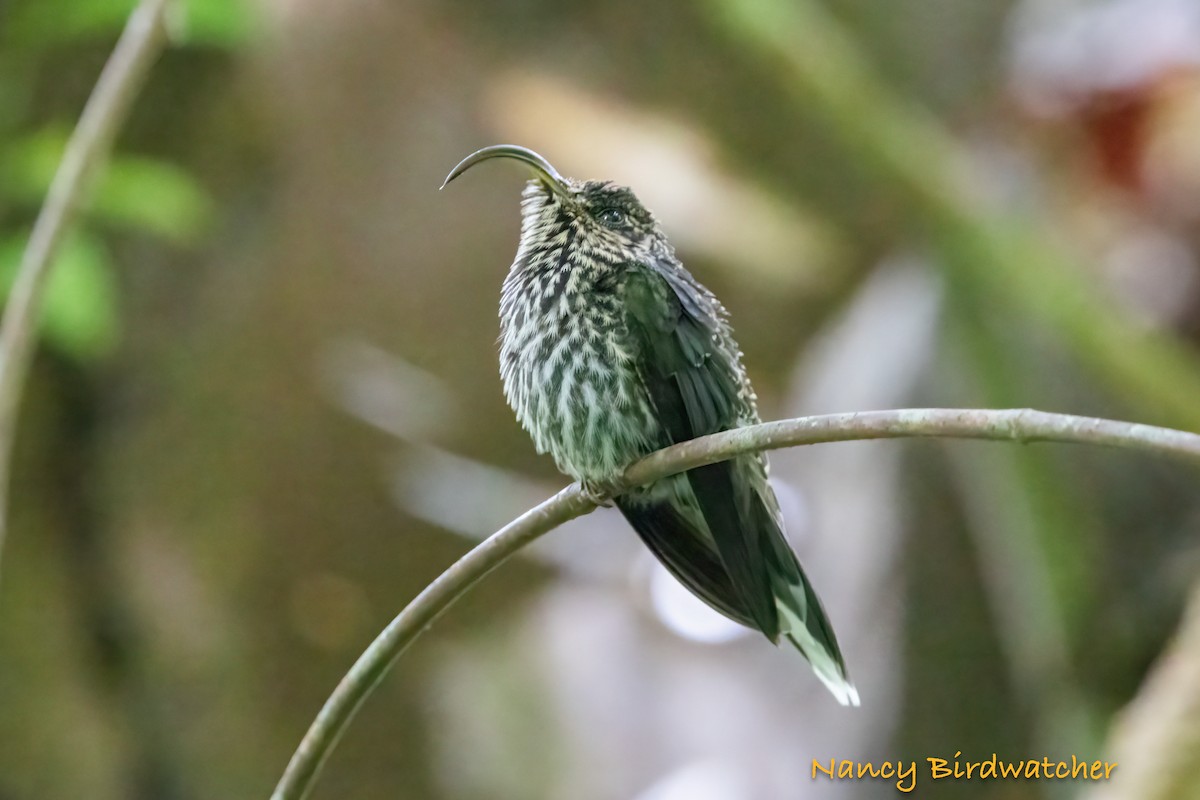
141, 194
50, 57
1003, 254
145, 194
203, 540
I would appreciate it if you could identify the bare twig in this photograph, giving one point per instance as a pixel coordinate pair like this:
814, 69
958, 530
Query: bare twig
123, 75
1020, 425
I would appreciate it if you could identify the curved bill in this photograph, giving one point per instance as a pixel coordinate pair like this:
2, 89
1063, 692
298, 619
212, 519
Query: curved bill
540, 166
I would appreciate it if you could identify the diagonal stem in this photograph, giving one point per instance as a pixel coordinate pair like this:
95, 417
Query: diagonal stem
122, 78
1019, 425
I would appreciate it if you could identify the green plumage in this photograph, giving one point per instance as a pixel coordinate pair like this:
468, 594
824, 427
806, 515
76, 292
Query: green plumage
609, 350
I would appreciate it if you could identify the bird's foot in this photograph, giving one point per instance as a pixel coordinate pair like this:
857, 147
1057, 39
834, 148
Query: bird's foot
600, 492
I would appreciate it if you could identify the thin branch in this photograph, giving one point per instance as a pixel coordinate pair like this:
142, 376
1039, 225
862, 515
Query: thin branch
122, 78
1020, 425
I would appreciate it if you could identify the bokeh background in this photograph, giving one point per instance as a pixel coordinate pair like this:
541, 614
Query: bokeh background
266, 408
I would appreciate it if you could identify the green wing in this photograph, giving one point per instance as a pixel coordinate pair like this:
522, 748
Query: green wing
687, 362
720, 533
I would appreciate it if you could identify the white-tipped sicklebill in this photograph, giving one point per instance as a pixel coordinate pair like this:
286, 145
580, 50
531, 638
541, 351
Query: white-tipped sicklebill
610, 350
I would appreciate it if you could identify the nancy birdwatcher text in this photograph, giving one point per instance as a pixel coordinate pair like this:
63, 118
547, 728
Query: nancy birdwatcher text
906, 774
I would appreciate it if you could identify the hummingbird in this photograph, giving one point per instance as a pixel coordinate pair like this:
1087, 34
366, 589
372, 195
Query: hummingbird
609, 350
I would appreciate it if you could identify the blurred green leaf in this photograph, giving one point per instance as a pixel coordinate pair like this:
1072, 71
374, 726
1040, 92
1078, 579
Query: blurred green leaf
154, 195
144, 193
38, 23
80, 312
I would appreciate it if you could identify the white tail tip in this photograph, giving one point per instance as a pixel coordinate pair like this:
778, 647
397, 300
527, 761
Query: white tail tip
828, 670
842, 690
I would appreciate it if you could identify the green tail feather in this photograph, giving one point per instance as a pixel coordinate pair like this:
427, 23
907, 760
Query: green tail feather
821, 651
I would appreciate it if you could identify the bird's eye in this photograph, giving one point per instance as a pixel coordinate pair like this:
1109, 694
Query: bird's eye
611, 217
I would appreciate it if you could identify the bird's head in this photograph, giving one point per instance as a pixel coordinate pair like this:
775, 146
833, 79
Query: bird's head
600, 220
